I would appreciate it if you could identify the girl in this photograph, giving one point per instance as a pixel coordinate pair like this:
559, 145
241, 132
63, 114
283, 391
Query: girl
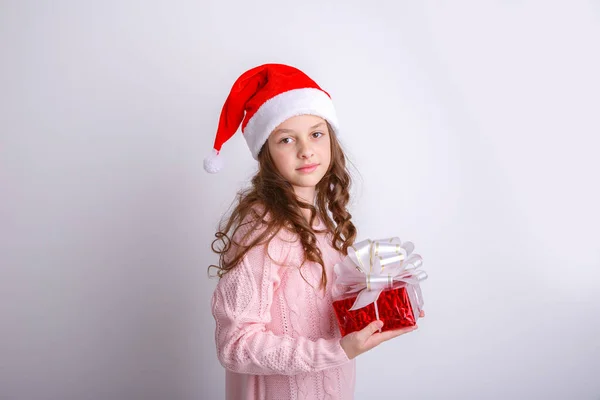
276, 332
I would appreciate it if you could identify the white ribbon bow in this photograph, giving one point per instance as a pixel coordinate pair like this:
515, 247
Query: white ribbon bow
372, 266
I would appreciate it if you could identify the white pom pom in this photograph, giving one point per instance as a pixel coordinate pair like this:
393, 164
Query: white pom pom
213, 163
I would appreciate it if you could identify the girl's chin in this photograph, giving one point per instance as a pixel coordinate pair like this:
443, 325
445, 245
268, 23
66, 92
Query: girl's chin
307, 181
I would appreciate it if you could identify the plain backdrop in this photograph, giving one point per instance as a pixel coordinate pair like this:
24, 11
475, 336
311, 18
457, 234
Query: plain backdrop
473, 129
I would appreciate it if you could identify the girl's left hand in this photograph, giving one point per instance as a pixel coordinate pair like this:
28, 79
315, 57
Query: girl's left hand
422, 314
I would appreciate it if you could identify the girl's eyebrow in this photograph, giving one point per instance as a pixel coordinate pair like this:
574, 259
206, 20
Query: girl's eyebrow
278, 131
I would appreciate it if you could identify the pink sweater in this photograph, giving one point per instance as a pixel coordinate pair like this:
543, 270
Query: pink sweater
276, 336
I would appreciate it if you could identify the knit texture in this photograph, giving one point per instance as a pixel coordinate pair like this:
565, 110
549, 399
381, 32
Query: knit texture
277, 335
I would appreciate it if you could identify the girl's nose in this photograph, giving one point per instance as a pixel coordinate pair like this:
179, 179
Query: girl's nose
305, 151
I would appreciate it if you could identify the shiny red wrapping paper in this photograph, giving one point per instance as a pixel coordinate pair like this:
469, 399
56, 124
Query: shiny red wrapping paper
394, 309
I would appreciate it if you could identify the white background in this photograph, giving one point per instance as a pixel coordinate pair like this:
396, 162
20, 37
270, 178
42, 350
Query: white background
474, 129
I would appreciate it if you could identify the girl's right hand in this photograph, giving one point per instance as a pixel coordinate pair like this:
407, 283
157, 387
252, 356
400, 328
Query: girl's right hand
358, 342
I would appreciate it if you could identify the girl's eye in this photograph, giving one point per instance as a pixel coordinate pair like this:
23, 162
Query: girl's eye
319, 134
285, 140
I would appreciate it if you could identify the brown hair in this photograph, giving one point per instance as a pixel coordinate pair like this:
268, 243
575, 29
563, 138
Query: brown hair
270, 194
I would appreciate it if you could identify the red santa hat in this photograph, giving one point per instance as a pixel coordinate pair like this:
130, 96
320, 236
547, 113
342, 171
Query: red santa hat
261, 99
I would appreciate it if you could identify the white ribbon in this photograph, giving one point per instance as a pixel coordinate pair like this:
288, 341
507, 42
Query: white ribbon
374, 265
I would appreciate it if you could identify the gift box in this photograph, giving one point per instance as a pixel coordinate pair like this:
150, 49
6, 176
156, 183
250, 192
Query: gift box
394, 310
379, 279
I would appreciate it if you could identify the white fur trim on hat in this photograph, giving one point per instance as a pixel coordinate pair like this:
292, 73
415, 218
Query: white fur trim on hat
283, 106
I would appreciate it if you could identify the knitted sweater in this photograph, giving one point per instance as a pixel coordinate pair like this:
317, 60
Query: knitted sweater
276, 336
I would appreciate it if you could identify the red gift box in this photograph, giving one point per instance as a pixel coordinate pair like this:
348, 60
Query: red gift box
378, 279
393, 305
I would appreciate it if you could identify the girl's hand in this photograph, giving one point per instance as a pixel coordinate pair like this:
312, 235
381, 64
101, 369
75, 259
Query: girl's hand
356, 343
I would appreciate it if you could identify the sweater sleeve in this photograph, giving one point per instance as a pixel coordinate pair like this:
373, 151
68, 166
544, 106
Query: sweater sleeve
241, 306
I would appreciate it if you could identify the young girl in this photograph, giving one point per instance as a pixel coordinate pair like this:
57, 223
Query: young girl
276, 332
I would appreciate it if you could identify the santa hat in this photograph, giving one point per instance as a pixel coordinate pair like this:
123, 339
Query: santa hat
261, 99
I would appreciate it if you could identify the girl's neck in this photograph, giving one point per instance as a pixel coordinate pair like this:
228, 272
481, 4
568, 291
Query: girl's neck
306, 194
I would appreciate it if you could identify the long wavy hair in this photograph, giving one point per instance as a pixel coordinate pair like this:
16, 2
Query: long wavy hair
270, 202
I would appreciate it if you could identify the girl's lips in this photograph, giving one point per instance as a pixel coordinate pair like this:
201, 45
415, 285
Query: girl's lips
308, 168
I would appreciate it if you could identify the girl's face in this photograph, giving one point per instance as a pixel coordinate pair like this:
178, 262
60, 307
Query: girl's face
301, 150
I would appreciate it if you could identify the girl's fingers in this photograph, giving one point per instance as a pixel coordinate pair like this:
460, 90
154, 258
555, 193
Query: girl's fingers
370, 329
379, 338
